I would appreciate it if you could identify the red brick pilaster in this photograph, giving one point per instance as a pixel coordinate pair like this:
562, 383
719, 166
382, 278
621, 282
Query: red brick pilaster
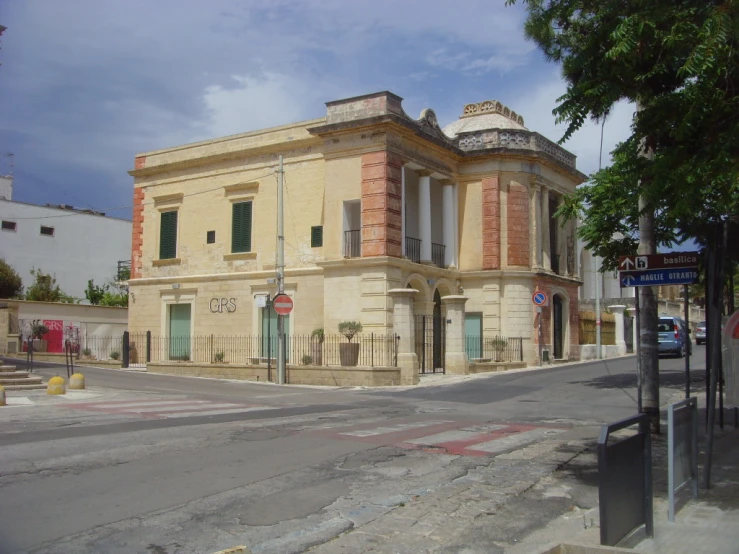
381, 204
491, 223
140, 162
519, 250
137, 238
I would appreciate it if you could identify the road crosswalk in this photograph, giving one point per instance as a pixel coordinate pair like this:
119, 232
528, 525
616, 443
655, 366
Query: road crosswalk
165, 408
454, 437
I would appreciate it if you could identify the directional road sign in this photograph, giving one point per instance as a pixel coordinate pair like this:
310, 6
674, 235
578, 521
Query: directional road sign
655, 277
658, 261
283, 304
540, 298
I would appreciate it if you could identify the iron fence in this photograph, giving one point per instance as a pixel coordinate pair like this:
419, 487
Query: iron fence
431, 343
366, 350
495, 348
96, 347
413, 249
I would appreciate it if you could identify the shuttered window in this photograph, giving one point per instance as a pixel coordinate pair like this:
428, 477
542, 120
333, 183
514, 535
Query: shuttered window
168, 236
316, 236
241, 227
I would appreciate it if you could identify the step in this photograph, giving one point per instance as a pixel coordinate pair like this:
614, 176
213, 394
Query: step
32, 386
6, 368
13, 375
30, 381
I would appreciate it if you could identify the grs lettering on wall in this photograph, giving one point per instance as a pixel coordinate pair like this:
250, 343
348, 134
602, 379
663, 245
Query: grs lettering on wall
221, 305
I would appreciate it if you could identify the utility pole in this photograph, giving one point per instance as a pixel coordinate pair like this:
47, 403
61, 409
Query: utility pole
280, 275
598, 322
648, 343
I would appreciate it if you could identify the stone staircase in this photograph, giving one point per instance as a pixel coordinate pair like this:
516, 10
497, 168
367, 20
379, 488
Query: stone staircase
12, 379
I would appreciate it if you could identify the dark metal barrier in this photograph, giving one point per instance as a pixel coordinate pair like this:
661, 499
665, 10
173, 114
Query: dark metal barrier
494, 348
682, 450
437, 254
126, 348
431, 343
625, 481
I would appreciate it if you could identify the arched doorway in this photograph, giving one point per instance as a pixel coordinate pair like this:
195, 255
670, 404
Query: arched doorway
438, 333
558, 324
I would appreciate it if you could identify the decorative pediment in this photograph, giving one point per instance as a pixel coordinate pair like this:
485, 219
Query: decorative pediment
430, 124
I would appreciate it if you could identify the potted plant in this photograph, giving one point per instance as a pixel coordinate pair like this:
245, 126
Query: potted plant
498, 345
115, 355
38, 330
317, 337
307, 360
349, 352
220, 357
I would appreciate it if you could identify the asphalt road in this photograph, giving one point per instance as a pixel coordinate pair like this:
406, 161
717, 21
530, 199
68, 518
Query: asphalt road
152, 463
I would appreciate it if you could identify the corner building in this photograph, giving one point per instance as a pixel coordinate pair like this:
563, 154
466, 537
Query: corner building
375, 200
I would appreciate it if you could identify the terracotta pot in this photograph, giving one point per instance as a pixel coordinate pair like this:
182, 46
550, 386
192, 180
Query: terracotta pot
349, 354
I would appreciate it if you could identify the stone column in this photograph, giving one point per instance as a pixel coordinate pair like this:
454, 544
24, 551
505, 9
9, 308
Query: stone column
455, 358
546, 253
424, 215
634, 336
404, 327
618, 311
402, 211
448, 230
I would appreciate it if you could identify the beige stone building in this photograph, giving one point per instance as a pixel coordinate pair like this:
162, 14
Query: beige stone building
375, 200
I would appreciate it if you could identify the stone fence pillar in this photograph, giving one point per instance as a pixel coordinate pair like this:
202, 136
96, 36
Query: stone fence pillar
404, 326
631, 312
618, 311
455, 359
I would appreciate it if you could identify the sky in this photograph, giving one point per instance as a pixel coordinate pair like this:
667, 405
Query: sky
85, 85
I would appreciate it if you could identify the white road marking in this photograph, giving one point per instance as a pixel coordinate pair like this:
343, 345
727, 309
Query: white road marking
392, 429
511, 441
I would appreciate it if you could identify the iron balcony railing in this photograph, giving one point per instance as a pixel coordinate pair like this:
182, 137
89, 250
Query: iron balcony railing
124, 270
437, 254
413, 249
353, 243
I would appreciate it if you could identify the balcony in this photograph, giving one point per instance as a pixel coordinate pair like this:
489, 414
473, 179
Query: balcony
437, 254
413, 249
353, 243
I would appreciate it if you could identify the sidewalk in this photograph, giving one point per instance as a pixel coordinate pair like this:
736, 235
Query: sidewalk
710, 523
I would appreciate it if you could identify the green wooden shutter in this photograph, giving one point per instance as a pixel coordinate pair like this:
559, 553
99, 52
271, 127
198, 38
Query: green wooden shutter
241, 227
168, 236
316, 236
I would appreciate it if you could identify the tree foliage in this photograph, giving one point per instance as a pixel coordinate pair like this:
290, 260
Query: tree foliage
46, 289
11, 284
95, 293
678, 60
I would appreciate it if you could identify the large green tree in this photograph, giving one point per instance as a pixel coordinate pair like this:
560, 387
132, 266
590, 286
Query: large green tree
11, 284
677, 59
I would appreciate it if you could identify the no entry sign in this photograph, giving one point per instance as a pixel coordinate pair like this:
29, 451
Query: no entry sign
283, 304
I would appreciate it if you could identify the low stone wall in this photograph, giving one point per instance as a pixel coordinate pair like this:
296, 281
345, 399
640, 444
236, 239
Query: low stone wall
60, 359
296, 375
490, 367
590, 351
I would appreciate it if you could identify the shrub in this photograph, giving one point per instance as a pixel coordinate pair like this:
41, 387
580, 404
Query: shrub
307, 360
115, 355
86, 352
38, 329
349, 329
220, 356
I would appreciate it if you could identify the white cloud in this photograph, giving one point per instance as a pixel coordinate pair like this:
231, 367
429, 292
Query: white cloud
259, 102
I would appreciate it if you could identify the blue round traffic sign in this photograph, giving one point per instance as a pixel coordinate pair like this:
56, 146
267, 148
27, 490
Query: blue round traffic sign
540, 298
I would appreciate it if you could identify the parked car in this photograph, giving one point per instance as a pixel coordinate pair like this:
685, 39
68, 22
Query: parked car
700, 333
674, 336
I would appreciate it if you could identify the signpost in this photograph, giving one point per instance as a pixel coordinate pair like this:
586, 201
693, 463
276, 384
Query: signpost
540, 298
674, 268
654, 277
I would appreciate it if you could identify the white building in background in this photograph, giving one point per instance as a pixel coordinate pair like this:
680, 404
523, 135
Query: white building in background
6, 187
72, 244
